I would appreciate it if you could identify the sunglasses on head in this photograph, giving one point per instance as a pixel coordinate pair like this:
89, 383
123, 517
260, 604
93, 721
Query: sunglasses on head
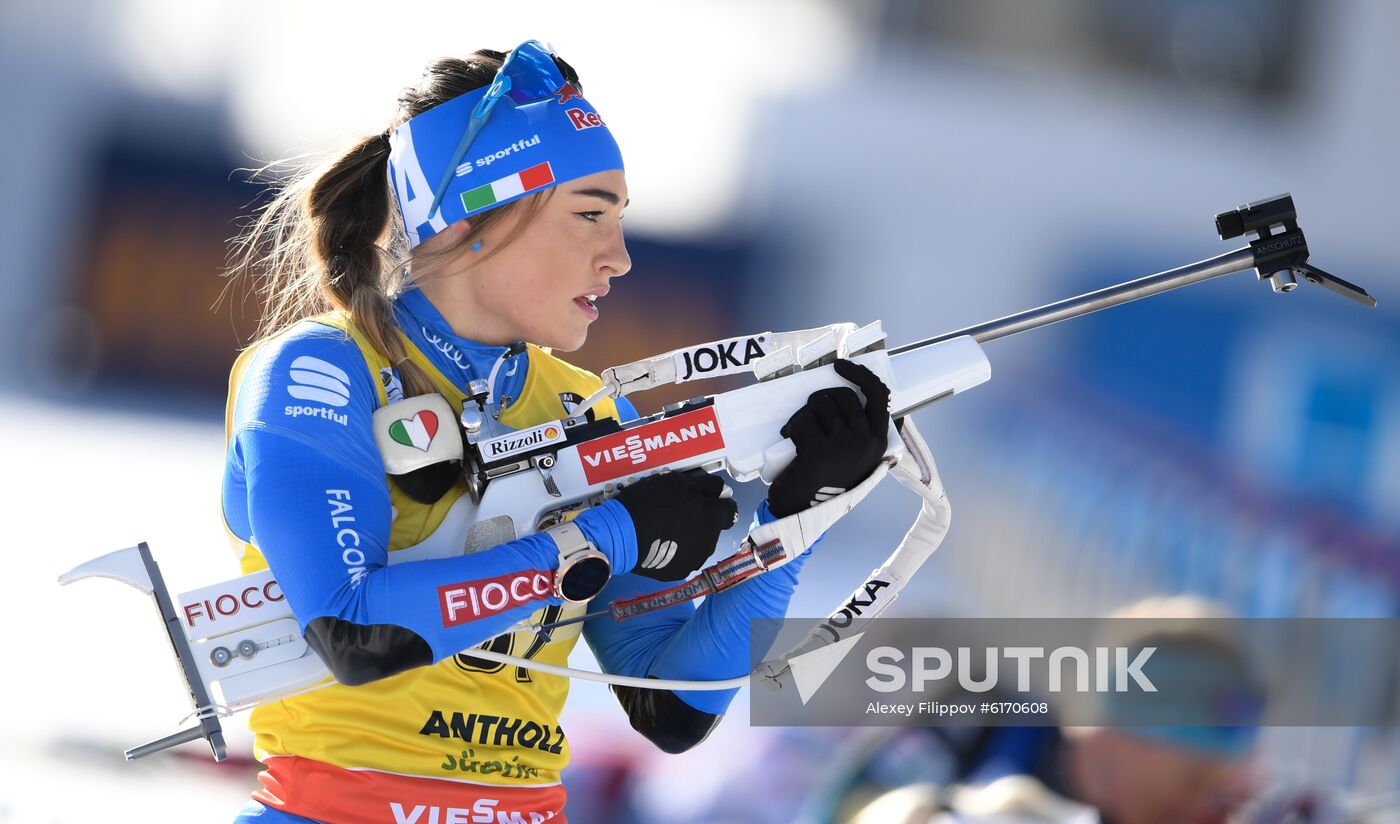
528, 75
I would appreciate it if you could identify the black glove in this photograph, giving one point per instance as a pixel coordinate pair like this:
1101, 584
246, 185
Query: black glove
678, 517
839, 443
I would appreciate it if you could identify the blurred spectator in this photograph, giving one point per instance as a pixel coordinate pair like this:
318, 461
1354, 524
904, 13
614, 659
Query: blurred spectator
1122, 775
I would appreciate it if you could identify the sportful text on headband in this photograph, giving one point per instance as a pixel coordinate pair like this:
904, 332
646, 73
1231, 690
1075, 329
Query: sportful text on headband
529, 130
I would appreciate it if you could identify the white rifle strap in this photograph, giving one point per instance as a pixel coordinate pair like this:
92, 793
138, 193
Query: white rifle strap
664, 369
916, 471
799, 531
766, 548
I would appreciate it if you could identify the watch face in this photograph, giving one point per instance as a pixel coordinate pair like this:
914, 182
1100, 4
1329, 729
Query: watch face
585, 578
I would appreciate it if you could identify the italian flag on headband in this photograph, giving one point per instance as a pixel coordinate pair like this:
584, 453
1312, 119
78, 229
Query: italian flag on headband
507, 187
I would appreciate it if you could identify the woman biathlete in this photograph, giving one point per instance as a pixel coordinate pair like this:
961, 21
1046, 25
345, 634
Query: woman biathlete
463, 243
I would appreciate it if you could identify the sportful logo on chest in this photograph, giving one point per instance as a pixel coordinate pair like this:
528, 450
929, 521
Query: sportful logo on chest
320, 382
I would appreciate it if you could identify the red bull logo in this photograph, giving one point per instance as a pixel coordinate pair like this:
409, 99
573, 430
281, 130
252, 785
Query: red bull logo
584, 120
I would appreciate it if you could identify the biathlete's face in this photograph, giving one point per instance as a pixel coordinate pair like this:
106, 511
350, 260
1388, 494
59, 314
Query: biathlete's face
542, 286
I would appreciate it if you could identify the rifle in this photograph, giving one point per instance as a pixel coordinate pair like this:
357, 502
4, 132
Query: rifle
238, 643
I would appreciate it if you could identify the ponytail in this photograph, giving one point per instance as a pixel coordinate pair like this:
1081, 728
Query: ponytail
347, 209
320, 245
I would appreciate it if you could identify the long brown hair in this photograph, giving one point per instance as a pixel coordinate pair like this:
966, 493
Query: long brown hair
329, 237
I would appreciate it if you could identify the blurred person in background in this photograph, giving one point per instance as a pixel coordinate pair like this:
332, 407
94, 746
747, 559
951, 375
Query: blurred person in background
465, 242
1116, 775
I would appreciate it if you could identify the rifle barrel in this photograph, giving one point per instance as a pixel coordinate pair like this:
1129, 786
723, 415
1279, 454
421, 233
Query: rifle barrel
1225, 264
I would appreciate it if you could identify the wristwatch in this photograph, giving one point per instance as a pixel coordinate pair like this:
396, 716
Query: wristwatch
583, 570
